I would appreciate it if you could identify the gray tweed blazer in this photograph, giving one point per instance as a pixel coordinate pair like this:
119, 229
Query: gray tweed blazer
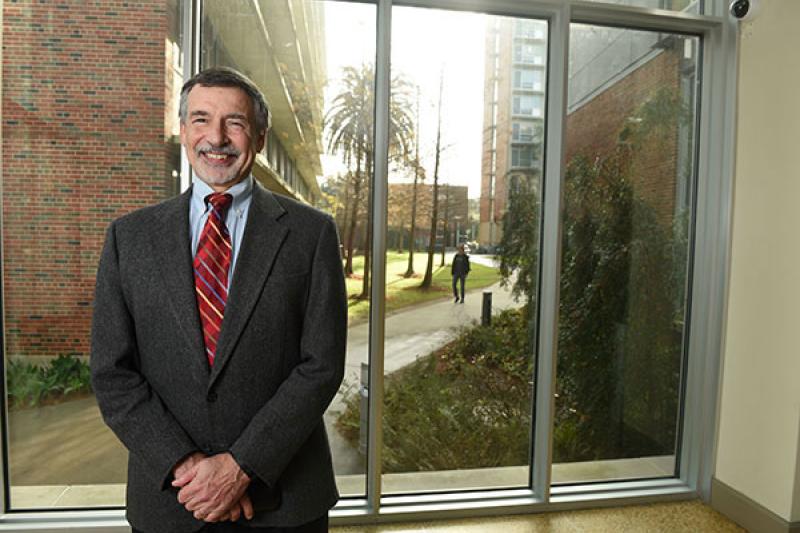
280, 358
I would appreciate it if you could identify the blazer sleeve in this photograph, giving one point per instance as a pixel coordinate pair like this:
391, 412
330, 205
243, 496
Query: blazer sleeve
282, 425
129, 406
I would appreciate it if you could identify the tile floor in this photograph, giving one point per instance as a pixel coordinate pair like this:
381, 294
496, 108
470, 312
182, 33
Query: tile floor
680, 517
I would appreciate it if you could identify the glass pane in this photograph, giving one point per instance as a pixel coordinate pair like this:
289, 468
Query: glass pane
687, 6
630, 145
314, 62
90, 124
458, 388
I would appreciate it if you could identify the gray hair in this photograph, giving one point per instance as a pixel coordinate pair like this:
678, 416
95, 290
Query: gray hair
227, 77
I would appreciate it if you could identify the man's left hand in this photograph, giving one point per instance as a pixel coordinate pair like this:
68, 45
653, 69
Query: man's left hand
212, 487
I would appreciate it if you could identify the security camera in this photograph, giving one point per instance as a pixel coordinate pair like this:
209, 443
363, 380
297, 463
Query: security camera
744, 10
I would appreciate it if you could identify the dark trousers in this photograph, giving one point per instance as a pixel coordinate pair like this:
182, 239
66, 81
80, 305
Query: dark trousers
456, 279
320, 525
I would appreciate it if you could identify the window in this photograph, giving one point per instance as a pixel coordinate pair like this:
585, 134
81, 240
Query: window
522, 156
528, 105
453, 419
301, 90
625, 255
526, 131
529, 29
530, 79
473, 159
90, 132
533, 54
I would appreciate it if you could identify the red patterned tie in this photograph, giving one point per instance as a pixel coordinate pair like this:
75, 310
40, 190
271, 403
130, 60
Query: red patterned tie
211, 264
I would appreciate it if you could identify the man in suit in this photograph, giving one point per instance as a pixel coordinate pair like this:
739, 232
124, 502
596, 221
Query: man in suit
218, 337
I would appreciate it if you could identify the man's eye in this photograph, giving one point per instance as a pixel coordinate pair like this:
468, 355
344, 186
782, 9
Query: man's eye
199, 121
237, 125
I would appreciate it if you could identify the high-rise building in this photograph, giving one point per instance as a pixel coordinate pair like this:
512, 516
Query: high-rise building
514, 105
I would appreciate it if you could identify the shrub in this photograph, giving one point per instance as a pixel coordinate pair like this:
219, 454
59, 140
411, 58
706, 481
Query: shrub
30, 385
467, 405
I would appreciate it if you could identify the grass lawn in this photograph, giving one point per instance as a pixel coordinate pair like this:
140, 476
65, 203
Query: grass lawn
403, 292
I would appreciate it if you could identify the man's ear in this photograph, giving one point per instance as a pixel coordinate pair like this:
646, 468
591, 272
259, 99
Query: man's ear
262, 137
183, 134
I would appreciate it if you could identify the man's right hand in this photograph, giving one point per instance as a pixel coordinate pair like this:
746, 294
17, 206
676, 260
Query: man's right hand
243, 508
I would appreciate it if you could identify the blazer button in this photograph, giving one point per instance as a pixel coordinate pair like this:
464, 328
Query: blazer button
212, 396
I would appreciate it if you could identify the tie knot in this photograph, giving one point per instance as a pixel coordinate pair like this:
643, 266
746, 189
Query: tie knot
221, 201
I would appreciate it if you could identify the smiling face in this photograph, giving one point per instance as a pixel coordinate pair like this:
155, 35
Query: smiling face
220, 135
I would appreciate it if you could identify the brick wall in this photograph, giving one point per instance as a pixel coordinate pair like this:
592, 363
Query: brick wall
593, 129
83, 142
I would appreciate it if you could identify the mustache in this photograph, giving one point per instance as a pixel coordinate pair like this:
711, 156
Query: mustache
227, 150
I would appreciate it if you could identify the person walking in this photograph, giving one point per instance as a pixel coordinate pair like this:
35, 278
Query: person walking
459, 270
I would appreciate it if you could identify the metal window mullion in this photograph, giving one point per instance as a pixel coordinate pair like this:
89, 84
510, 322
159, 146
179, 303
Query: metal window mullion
724, 133
641, 18
504, 8
5, 483
378, 289
191, 16
550, 254
712, 257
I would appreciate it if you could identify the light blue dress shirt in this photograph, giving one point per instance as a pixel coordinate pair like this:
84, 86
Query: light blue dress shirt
235, 219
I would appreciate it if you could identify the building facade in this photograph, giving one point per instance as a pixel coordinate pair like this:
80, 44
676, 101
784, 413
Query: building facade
76, 155
514, 101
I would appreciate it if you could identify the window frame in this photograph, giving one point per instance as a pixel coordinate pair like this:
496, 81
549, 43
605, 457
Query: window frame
709, 266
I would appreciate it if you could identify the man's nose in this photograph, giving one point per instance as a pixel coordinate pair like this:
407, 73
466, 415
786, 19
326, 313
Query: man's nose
216, 134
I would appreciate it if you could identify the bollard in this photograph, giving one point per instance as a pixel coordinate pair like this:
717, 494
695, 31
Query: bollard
363, 427
486, 309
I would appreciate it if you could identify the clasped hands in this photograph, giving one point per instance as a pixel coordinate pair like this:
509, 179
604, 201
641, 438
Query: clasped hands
213, 488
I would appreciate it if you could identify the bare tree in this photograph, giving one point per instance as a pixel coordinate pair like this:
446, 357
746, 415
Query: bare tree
427, 281
413, 229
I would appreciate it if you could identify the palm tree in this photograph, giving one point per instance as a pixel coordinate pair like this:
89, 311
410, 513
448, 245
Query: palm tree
349, 123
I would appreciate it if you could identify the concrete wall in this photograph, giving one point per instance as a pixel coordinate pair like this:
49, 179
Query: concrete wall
760, 410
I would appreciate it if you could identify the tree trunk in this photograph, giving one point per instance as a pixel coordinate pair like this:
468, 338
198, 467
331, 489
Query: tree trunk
348, 266
367, 234
413, 230
427, 281
445, 229
345, 214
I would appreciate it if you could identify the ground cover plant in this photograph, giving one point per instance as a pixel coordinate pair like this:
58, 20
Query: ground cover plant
31, 385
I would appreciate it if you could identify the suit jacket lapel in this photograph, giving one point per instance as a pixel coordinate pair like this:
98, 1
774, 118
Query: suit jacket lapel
262, 239
173, 255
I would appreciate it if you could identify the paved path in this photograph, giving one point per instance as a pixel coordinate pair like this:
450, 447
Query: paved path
416, 332
75, 447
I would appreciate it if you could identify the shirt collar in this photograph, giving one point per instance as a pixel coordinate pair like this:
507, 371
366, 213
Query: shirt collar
241, 192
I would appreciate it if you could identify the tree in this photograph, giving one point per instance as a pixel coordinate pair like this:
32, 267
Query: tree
427, 281
519, 258
620, 321
419, 175
349, 123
